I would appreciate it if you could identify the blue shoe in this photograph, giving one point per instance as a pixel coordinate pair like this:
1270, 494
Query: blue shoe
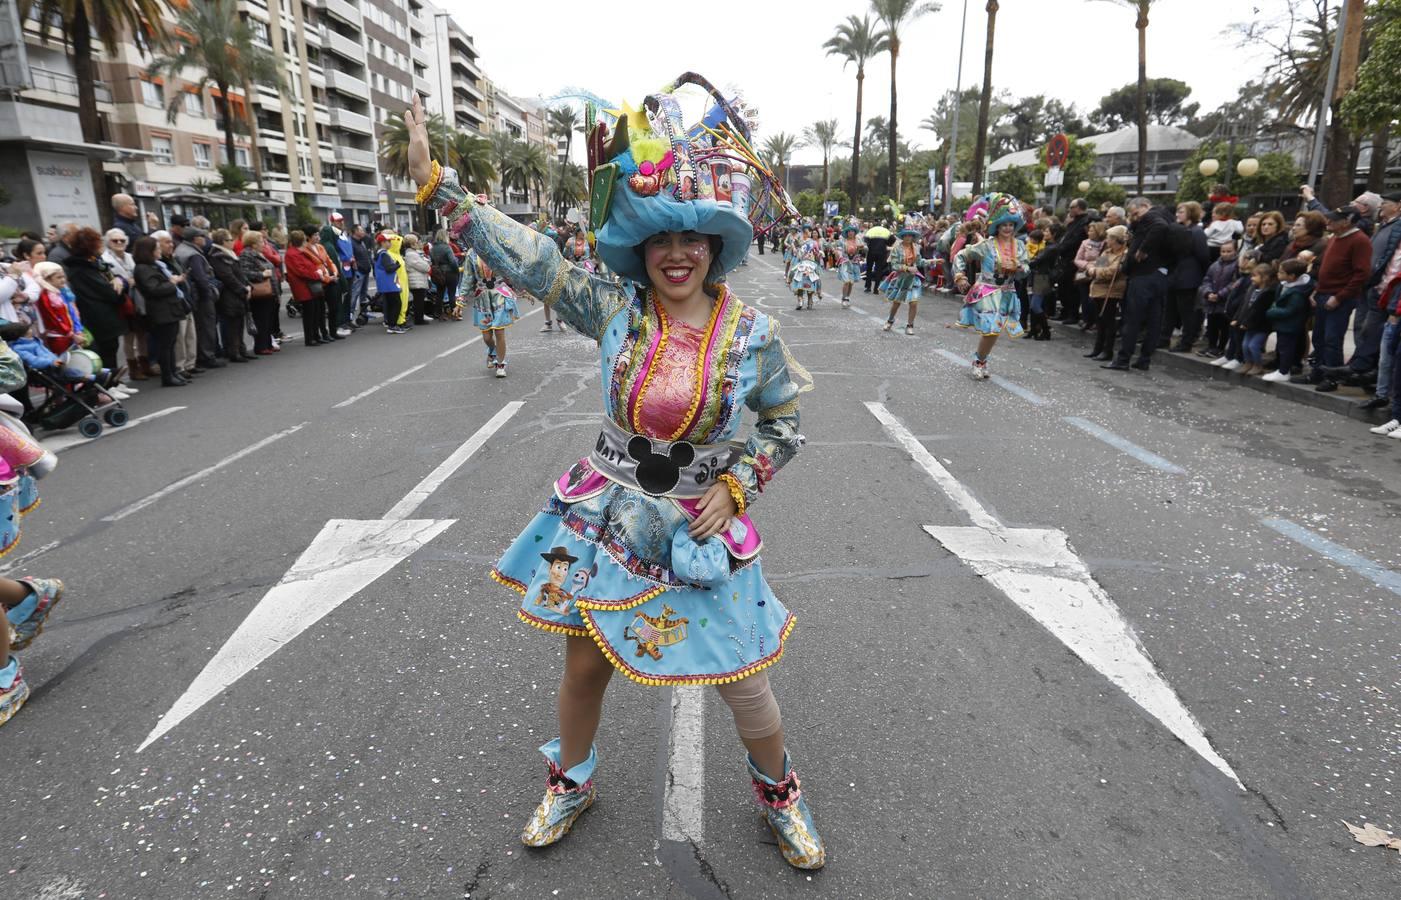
567, 795
12, 697
787, 814
49, 591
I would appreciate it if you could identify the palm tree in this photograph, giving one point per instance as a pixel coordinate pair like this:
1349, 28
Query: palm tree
1141, 23
504, 154
893, 14
471, 156
78, 22
856, 41
567, 185
985, 102
779, 150
533, 169
211, 39
823, 134
563, 122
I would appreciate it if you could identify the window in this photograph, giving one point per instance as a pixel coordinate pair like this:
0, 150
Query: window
194, 104
203, 158
162, 148
152, 94
260, 31
241, 155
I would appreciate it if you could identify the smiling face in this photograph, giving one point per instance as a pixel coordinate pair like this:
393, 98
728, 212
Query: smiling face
677, 263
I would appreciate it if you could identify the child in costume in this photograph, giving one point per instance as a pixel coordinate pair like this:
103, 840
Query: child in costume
790, 249
493, 309
392, 281
905, 283
806, 277
650, 531
991, 306
851, 253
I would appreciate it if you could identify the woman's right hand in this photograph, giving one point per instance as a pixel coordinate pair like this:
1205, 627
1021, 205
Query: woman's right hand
420, 163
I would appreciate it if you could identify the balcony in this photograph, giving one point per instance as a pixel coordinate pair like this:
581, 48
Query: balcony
343, 46
347, 84
364, 193
354, 158
347, 13
419, 24
423, 85
462, 60
65, 85
350, 121
464, 86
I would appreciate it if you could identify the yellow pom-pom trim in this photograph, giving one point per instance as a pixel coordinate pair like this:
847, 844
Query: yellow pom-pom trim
736, 492
425, 193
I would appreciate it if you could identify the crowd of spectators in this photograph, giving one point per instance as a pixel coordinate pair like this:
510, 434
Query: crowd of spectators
176, 300
1258, 295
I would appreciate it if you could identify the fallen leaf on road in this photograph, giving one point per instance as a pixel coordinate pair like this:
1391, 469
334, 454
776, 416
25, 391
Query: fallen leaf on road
1371, 836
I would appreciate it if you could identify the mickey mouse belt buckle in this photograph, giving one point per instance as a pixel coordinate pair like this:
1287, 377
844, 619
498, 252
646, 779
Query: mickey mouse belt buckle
657, 467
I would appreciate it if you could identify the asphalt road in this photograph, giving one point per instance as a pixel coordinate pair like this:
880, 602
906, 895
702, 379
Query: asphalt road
951, 744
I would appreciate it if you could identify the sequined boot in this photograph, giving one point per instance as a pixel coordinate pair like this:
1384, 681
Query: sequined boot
567, 795
788, 817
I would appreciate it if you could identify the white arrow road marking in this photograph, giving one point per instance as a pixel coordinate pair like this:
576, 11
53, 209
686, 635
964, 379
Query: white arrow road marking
1039, 571
683, 802
345, 557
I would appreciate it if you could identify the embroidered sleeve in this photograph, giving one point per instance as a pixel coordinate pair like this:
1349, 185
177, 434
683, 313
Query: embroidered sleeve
528, 260
776, 438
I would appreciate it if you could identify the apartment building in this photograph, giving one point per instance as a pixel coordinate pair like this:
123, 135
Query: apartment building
348, 66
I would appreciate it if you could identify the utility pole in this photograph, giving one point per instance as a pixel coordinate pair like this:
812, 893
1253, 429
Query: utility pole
1342, 77
952, 156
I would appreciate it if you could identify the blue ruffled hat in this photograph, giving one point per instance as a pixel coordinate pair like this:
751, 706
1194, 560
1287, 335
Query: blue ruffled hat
656, 174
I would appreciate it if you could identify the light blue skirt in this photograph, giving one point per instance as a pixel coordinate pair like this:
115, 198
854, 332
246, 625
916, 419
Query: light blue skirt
850, 272
494, 309
992, 311
902, 287
806, 276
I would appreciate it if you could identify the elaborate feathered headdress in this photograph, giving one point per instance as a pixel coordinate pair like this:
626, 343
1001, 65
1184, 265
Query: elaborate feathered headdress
654, 174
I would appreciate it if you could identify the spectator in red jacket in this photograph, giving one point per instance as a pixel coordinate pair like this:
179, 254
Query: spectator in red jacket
1342, 277
307, 278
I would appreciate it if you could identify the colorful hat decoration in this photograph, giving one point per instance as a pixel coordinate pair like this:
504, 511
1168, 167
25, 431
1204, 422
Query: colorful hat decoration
909, 232
655, 175
1003, 208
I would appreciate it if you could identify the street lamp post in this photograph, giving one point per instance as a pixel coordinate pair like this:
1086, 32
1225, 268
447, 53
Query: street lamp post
951, 157
443, 73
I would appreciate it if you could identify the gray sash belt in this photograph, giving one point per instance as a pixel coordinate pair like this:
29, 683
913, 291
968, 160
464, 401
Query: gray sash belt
660, 468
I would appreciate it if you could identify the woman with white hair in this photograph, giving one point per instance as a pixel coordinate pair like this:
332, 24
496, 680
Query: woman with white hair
116, 257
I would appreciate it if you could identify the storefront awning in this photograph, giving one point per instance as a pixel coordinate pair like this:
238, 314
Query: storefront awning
214, 198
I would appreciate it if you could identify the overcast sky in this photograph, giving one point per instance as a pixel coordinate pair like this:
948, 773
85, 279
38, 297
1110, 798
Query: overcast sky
1077, 50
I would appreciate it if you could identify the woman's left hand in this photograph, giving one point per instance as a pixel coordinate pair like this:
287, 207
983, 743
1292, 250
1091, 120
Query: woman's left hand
716, 509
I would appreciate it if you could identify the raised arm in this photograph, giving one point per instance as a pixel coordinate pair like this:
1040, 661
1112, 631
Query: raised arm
527, 259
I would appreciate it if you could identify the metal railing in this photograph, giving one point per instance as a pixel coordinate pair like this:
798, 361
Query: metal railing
67, 85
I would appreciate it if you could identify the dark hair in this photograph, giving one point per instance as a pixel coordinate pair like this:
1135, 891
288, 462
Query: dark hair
1266, 269
1057, 231
296, 237
86, 243
1293, 267
1315, 222
1037, 234
26, 247
144, 250
32, 235
255, 226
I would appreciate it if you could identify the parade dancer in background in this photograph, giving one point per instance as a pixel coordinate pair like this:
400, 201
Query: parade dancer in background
991, 306
905, 283
851, 252
806, 277
493, 309
645, 533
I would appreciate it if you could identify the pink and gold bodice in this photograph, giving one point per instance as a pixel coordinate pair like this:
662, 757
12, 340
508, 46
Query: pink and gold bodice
671, 391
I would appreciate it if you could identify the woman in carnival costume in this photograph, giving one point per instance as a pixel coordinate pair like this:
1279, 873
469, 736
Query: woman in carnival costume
851, 252
644, 556
905, 283
493, 308
991, 306
790, 250
806, 277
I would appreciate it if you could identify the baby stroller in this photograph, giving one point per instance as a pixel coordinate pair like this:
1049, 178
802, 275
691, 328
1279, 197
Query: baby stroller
75, 393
